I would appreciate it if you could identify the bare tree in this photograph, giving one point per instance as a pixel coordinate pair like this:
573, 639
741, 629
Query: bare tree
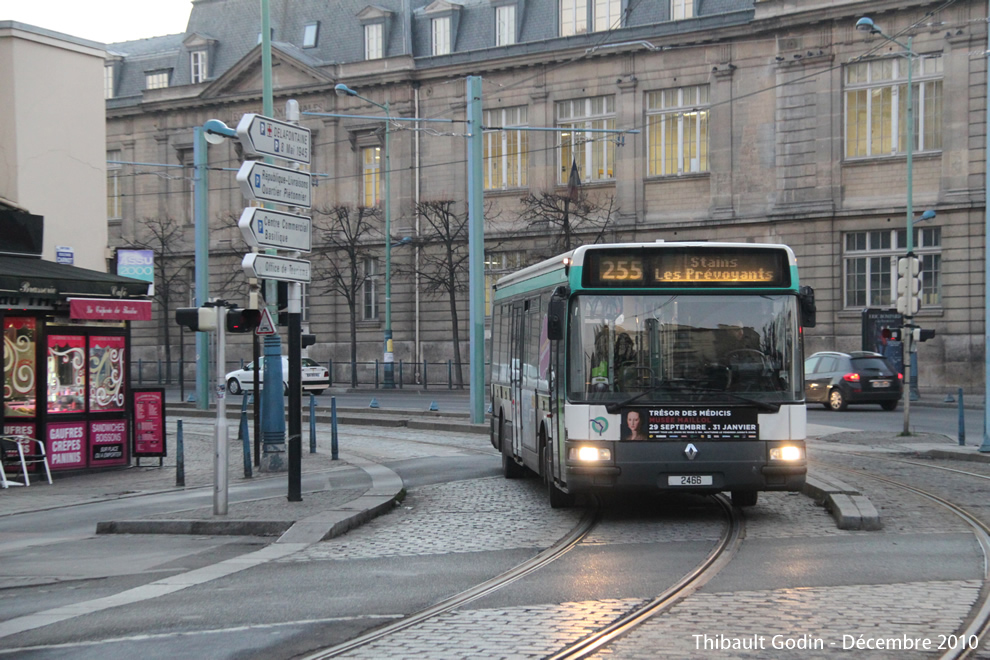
570, 219
164, 236
348, 237
444, 261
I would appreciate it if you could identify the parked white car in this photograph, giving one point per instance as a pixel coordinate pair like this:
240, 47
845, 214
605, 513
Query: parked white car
315, 377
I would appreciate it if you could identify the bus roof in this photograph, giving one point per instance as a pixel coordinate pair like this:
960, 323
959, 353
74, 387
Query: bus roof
552, 271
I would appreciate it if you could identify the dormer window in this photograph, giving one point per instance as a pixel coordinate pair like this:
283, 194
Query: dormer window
573, 17
156, 79
441, 35
198, 66
108, 77
505, 25
310, 34
681, 9
374, 41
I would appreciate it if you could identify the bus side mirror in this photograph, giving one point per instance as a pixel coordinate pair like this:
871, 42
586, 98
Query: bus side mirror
806, 300
556, 315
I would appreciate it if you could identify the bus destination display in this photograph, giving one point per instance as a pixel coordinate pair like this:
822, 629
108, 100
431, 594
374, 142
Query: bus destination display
702, 423
722, 267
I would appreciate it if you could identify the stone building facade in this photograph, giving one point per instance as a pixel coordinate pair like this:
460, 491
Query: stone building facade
756, 121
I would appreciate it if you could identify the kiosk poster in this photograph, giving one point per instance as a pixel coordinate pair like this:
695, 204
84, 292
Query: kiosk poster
107, 442
702, 423
66, 445
149, 422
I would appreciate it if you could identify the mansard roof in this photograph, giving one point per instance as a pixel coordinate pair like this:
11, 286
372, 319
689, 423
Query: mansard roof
230, 30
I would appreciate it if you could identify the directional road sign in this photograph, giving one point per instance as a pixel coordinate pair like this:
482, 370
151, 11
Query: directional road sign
265, 136
264, 228
268, 183
270, 267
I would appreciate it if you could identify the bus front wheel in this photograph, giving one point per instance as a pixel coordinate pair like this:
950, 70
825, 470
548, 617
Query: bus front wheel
745, 497
510, 468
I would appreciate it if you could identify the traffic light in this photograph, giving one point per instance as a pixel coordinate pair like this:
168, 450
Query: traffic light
923, 334
242, 320
891, 334
306, 340
198, 319
908, 285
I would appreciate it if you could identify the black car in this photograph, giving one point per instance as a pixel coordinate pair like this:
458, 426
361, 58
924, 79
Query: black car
836, 380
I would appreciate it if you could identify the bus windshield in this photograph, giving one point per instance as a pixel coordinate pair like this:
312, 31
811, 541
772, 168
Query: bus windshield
683, 348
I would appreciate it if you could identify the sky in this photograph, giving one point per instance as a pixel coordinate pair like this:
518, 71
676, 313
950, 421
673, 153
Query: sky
104, 21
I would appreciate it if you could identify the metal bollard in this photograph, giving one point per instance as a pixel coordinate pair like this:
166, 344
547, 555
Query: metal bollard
180, 459
450, 375
962, 421
400, 374
376, 373
333, 429
426, 382
140, 371
312, 423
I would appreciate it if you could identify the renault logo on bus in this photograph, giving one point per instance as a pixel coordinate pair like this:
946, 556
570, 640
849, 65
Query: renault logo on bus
599, 425
690, 451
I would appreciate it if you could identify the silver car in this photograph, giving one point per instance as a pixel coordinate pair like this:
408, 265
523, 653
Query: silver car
315, 377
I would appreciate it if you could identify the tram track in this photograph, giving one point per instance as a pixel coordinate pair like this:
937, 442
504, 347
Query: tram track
977, 624
716, 560
721, 554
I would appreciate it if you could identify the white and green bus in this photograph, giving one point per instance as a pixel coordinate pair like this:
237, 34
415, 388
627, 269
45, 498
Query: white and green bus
653, 367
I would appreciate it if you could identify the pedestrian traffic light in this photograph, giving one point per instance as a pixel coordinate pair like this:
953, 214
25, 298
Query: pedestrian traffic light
908, 285
242, 320
923, 334
306, 340
891, 334
197, 319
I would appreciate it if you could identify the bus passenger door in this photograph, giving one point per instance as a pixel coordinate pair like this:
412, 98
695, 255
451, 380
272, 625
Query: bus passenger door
517, 346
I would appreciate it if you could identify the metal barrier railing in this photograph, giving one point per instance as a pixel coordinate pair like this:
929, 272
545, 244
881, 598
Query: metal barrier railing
449, 374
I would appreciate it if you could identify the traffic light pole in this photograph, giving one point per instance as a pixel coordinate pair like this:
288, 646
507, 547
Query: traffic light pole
295, 392
907, 338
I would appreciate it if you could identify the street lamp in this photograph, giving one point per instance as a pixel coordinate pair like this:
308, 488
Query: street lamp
343, 90
866, 24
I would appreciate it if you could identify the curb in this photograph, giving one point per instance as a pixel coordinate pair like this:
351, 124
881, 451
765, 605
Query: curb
386, 490
850, 508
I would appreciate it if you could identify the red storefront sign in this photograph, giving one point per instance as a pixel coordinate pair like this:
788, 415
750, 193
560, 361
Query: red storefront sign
66, 445
108, 442
109, 310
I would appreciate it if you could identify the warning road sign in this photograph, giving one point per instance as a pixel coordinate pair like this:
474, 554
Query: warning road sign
265, 326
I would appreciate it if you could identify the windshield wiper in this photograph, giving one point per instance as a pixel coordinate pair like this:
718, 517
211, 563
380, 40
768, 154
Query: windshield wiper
760, 405
613, 408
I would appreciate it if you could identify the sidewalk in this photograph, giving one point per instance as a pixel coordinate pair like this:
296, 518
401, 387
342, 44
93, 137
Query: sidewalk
323, 513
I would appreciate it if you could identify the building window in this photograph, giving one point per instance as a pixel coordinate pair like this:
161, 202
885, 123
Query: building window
370, 289
441, 35
156, 79
681, 9
108, 82
114, 196
197, 61
870, 266
573, 17
677, 130
506, 151
373, 41
371, 175
594, 153
876, 106
497, 265
311, 34
608, 15
505, 25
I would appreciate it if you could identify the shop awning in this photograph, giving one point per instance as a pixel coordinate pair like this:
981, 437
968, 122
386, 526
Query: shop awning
37, 278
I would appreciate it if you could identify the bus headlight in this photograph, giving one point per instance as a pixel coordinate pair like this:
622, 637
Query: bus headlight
589, 454
786, 453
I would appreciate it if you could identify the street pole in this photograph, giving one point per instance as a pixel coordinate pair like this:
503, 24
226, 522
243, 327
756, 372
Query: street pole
220, 448
909, 326
985, 446
389, 352
272, 403
295, 392
202, 256
476, 249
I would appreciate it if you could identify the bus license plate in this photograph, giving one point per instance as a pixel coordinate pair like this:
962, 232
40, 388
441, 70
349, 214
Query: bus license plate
690, 480
881, 383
